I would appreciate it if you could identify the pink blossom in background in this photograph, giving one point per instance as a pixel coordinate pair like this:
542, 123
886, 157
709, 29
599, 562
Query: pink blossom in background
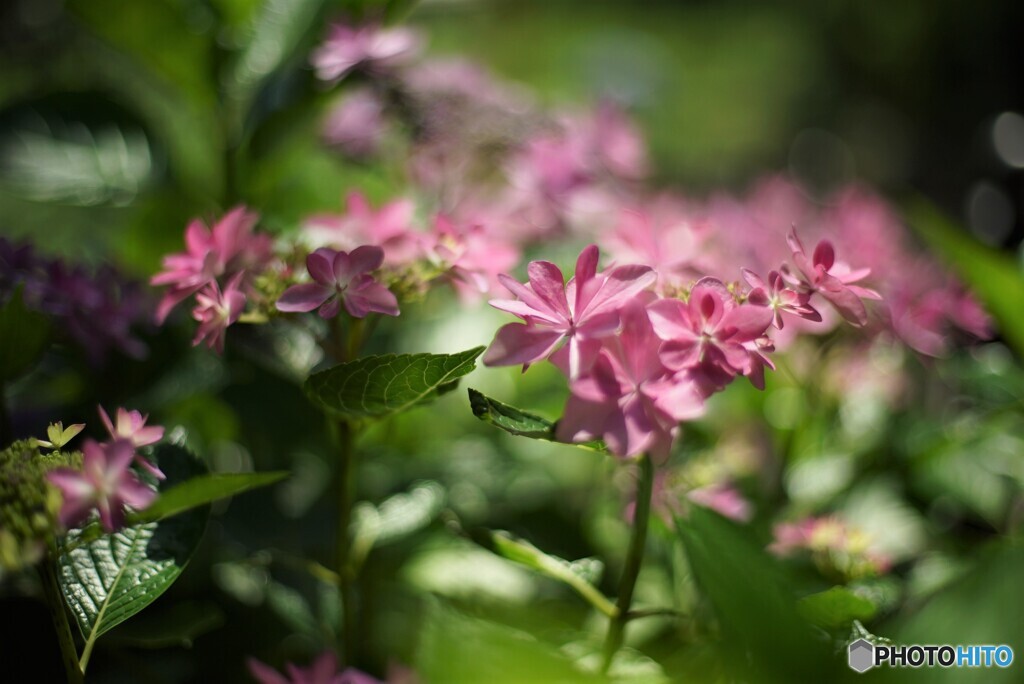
392, 228
370, 47
216, 310
131, 426
324, 670
471, 256
229, 247
580, 312
661, 235
834, 545
341, 278
629, 398
710, 331
356, 125
725, 500
105, 482
618, 144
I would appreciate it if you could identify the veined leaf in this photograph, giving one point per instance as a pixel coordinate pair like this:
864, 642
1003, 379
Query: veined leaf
518, 422
109, 579
203, 490
378, 386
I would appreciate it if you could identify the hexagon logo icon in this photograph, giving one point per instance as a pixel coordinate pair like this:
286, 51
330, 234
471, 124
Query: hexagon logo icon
861, 655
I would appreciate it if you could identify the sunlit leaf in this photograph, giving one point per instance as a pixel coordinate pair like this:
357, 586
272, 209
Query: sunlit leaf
202, 490
516, 421
836, 607
377, 386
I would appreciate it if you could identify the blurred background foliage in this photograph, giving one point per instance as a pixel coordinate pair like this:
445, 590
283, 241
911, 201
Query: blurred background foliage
119, 121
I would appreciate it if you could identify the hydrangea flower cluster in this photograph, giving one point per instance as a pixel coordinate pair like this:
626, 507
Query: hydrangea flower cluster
106, 482
637, 363
101, 311
836, 548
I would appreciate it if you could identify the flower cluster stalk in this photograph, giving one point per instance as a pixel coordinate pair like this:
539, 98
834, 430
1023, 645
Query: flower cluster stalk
634, 559
55, 602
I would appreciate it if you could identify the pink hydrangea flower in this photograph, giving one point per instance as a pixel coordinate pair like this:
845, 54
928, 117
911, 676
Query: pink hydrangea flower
660, 235
472, 257
831, 279
629, 397
581, 311
390, 228
369, 47
776, 296
835, 546
710, 330
229, 247
341, 278
105, 482
131, 427
216, 310
356, 125
323, 670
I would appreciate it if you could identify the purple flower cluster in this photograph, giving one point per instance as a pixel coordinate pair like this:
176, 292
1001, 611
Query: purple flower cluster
100, 310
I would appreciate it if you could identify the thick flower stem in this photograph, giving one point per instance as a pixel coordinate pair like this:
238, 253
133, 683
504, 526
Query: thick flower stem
634, 559
55, 602
343, 542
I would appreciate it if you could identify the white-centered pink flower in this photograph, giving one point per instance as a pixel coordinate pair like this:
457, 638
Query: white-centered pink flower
579, 312
105, 482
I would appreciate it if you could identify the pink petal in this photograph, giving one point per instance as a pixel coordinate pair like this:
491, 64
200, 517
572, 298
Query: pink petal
547, 281
749, 321
305, 297
135, 493
530, 298
105, 419
371, 296
366, 259
517, 343
522, 309
848, 305
670, 319
617, 288
586, 264
331, 308
824, 255
320, 266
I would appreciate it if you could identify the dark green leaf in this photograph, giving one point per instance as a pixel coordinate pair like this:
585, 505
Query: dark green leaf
991, 274
765, 637
107, 580
202, 490
24, 335
836, 607
516, 421
177, 624
378, 386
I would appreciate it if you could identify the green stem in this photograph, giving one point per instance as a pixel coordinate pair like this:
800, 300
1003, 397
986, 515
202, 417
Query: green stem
634, 559
55, 602
343, 542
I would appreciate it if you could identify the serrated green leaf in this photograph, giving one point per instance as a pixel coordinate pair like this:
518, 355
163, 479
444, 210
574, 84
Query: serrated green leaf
378, 386
764, 634
518, 422
203, 490
836, 607
509, 418
24, 335
107, 580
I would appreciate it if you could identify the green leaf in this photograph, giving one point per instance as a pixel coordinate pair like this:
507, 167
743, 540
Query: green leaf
509, 418
24, 335
994, 276
764, 635
836, 607
203, 490
107, 580
578, 574
518, 422
279, 30
177, 624
460, 649
377, 386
